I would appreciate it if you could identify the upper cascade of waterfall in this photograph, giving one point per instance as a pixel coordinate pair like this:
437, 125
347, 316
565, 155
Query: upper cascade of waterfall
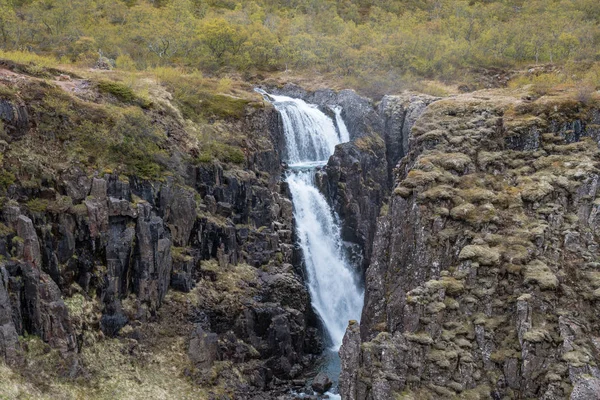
310, 135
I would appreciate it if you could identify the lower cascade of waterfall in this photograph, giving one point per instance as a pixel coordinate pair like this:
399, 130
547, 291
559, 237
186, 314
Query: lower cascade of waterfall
336, 294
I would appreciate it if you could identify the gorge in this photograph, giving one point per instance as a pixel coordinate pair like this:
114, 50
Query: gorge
226, 257
311, 138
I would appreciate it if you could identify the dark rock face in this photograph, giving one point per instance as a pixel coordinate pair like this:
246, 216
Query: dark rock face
481, 282
9, 341
203, 349
37, 305
358, 177
399, 114
350, 361
221, 233
355, 181
15, 118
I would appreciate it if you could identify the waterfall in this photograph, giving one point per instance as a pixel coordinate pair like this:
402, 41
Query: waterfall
311, 137
344, 135
333, 289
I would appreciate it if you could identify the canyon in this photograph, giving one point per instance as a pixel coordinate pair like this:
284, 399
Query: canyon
470, 222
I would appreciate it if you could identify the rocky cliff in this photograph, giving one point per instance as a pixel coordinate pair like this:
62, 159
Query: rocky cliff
483, 276
136, 255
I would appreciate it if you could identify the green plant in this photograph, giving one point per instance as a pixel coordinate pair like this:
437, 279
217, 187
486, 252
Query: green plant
7, 178
37, 205
123, 93
221, 152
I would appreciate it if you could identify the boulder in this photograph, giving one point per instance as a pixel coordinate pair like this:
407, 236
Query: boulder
321, 383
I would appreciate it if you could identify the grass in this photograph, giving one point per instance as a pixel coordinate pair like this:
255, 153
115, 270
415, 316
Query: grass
26, 57
123, 93
221, 152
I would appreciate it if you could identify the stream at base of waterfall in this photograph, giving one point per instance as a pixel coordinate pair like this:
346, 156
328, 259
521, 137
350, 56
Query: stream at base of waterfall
336, 294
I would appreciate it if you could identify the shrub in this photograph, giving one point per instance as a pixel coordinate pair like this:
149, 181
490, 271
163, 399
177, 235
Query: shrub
37, 205
7, 178
137, 144
123, 93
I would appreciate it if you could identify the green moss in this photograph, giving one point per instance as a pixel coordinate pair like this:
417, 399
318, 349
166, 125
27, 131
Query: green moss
450, 161
180, 254
37, 205
539, 273
5, 230
419, 337
137, 144
222, 107
451, 285
576, 358
537, 335
61, 204
484, 255
369, 143
500, 355
79, 209
199, 103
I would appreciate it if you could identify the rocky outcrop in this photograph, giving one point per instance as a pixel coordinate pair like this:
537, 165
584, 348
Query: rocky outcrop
482, 278
358, 177
203, 349
37, 306
399, 114
9, 341
96, 255
355, 181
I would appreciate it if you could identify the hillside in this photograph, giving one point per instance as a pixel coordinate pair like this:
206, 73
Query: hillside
375, 46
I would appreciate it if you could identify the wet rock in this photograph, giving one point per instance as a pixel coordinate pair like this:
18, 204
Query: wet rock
355, 181
321, 383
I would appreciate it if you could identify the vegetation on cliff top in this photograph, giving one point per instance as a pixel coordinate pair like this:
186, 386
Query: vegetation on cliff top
365, 43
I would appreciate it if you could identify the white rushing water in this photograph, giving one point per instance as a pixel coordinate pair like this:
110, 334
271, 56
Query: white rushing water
311, 137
